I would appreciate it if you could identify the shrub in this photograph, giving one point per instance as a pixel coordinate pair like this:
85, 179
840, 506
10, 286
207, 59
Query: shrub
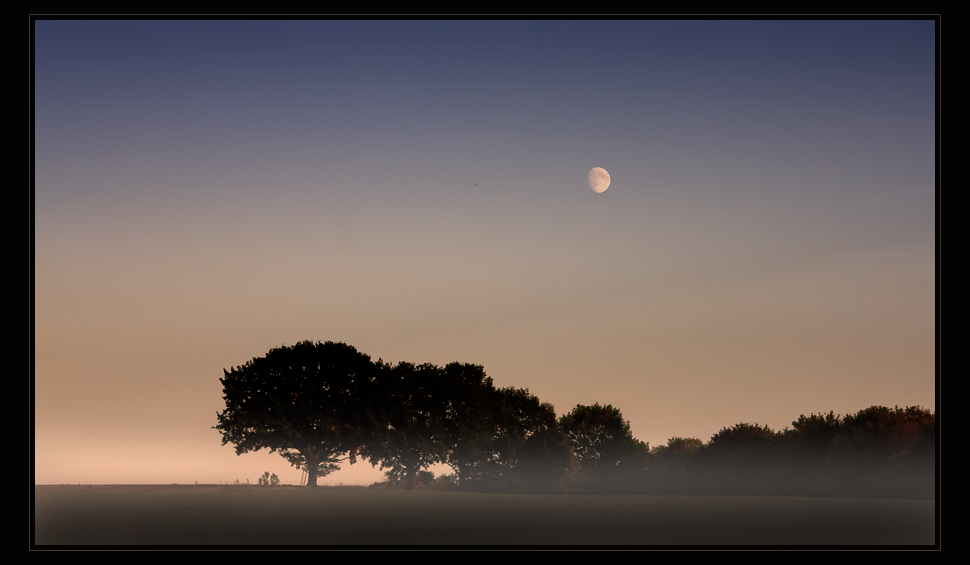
444, 482
269, 480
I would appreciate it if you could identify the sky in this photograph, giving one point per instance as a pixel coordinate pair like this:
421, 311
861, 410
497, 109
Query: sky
205, 191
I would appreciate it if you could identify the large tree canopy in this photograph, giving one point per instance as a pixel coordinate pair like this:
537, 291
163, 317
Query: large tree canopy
309, 402
411, 407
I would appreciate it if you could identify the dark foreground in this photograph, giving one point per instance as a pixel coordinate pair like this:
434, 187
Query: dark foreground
358, 516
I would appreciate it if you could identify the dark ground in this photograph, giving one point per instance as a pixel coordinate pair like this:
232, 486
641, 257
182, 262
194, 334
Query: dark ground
358, 516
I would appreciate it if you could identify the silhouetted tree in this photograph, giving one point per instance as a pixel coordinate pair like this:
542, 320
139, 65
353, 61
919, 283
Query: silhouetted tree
815, 433
808, 451
471, 420
608, 454
493, 439
743, 459
743, 440
526, 443
309, 402
888, 449
671, 464
412, 410
546, 464
885, 432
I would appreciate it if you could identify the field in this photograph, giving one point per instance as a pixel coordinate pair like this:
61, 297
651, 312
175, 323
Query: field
358, 516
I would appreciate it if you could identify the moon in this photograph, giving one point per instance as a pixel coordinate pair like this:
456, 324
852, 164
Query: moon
599, 179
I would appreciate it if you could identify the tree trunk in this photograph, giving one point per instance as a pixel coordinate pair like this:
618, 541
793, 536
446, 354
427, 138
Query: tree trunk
312, 464
411, 471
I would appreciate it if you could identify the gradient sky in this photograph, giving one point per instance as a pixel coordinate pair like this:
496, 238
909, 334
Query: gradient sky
208, 190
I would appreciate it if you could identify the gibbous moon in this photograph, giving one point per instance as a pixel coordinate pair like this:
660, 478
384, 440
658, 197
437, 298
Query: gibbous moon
599, 179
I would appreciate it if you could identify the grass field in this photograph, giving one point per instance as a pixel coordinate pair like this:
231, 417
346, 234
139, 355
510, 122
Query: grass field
358, 516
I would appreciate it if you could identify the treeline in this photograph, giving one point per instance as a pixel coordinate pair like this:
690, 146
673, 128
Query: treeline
877, 452
321, 404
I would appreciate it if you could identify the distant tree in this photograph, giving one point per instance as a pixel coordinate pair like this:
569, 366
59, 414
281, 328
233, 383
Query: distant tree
269, 480
310, 402
424, 478
744, 458
808, 451
878, 451
681, 445
608, 454
815, 433
744, 440
889, 449
671, 464
412, 409
445, 482
886, 431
